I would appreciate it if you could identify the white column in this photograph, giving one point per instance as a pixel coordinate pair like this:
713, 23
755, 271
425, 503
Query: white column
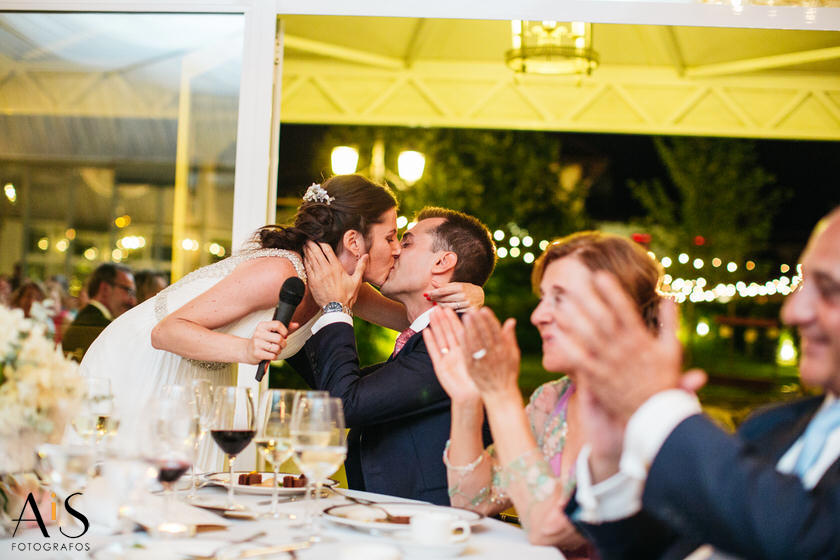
255, 184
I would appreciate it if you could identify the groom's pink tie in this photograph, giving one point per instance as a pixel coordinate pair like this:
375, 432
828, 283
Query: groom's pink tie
402, 339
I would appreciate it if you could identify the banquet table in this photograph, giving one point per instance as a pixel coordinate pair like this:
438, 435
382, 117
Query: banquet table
490, 538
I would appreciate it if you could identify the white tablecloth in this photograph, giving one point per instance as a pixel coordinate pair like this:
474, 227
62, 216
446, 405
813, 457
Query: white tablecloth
490, 539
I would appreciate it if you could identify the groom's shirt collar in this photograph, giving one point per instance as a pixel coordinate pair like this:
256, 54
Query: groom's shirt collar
422, 320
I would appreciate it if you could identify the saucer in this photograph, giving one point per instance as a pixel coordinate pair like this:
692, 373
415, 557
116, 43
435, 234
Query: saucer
414, 549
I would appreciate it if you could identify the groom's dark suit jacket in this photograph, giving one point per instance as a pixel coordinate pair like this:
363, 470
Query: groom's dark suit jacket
705, 486
398, 413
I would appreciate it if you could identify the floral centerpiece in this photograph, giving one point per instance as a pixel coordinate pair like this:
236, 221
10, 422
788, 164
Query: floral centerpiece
39, 392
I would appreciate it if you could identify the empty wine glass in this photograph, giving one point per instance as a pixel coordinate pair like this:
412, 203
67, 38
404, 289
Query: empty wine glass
170, 431
319, 443
232, 428
202, 393
273, 439
66, 469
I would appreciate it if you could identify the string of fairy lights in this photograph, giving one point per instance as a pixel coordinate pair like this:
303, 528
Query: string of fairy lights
516, 243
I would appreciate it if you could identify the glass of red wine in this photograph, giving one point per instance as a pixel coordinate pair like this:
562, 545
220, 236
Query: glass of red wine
232, 428
168, 446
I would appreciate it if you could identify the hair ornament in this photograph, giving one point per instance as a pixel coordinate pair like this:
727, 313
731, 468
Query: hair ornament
317, 193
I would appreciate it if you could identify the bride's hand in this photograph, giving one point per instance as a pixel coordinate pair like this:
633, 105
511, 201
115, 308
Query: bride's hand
267, 342
459, 296
328, 281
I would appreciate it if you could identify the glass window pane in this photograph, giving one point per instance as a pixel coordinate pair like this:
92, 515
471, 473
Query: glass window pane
93, 109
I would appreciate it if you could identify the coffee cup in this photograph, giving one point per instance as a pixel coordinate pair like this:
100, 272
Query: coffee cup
438, 528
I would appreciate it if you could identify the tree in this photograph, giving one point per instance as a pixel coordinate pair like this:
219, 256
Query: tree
718, 191
501, 176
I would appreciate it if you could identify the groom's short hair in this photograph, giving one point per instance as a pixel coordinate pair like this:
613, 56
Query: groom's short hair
468, 238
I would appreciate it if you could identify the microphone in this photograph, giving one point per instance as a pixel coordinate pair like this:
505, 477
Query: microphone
290, 295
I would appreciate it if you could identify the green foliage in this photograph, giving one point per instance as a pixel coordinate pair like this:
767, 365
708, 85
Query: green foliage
500, 176
718, 190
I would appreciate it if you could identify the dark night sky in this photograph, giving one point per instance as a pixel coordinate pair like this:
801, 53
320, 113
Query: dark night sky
805, 166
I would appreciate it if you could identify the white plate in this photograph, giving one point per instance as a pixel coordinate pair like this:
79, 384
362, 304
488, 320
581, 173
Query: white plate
221, 479
373, 519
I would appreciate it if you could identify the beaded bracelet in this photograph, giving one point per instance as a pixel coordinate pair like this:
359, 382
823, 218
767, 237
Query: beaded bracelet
464, 468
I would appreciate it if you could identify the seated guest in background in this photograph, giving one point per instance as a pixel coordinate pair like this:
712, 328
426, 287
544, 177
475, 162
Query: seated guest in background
28, 293
149, 283
397, 411
111, 291
532, 461
5, 290
660, 479
61, 313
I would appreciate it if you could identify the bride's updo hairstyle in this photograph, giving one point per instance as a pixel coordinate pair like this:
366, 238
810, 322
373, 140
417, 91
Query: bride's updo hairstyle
346, 202
635, 270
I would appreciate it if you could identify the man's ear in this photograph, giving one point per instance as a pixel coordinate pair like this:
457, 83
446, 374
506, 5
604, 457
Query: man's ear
445, 263
353, 242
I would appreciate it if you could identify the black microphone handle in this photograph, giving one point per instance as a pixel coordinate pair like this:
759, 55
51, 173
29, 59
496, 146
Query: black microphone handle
283, 313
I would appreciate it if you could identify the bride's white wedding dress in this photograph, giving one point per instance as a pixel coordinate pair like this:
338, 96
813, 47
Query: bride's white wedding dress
124, 354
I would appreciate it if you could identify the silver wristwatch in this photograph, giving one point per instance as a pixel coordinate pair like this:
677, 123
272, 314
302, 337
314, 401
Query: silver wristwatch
336, 307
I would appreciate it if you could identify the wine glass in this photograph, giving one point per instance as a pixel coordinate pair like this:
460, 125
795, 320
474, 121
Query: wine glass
319, 442
170, 432
232, 428
94, 419
273, 440
202, 393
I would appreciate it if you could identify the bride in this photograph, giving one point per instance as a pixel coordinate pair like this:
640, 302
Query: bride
220, 315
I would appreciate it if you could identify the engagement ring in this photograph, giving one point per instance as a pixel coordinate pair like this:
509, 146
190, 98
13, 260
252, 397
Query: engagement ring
478, 354
444, 350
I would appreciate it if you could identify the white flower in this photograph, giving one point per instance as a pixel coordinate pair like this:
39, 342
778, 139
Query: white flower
317, 193
38, 385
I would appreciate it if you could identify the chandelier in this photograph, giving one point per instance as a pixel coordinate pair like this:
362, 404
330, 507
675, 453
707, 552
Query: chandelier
551, 47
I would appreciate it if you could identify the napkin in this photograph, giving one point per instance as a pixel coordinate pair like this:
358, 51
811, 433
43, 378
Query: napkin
153, 511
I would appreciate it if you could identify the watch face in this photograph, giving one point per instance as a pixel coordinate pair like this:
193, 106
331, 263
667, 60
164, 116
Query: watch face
332, 306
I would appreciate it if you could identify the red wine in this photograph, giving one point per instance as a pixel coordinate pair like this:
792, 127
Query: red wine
232, 441
170, 471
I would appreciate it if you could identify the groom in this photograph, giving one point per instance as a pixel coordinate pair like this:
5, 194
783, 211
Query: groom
398, 413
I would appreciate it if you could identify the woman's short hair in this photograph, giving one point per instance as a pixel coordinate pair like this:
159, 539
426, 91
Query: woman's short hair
357, 203
635, 270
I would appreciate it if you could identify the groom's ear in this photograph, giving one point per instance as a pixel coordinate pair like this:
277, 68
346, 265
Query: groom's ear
353, 242
445, 263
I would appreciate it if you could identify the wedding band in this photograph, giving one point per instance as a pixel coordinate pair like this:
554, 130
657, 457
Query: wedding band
478, 354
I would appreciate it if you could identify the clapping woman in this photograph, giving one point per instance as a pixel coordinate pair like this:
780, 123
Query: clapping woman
531, 464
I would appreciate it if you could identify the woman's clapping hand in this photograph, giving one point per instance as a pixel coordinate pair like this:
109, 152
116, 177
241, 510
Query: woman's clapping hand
491, 353
444, 345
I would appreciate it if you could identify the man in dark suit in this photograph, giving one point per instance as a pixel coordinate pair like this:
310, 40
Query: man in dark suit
112, 293
658, 479
398, 413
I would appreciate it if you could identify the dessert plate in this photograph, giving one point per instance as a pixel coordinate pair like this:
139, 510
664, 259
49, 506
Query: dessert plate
372, 518
264, 489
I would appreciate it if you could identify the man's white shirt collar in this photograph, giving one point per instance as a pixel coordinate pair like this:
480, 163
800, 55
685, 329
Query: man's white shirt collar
422, 320
105, 311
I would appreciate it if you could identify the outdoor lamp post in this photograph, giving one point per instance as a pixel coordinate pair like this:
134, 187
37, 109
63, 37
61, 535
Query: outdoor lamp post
410, 164
344, 159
